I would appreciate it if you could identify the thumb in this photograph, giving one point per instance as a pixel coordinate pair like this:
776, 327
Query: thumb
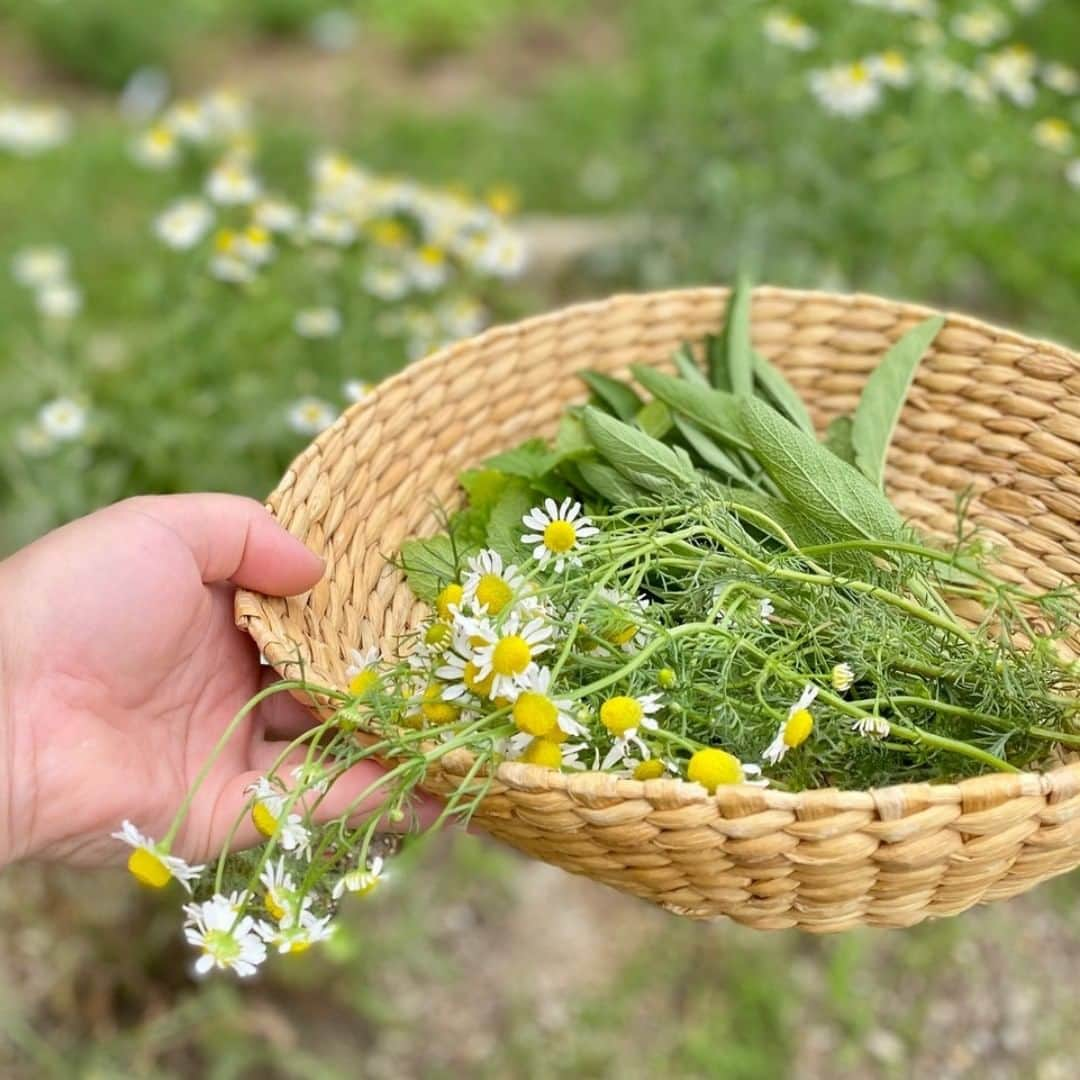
235, 539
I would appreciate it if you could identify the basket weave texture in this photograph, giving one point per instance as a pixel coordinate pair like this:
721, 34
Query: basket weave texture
989, 410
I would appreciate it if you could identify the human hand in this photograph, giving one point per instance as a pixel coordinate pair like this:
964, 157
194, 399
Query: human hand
120, 667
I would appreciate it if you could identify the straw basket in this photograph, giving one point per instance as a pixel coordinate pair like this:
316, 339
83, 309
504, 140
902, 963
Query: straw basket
989, 409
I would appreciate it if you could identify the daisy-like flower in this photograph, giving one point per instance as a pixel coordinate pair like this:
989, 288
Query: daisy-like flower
871, 727
268, 813
310, 415
363, 670
504, 255
460, 670
461, 317
1011, 71
1061, 78
619, 619
189, 120
981, 26
59, 301
156, 148
299, 936
890, 68
151, 864
784, 28
385, 281
328, 227
766, 609
795, 730
226, 940
184, 224
712, 767
38, 267
227, 112
33, 440
558, 530
842, 677
624, 716
317, 322
62, 419
26, 130
540, 715
428, 268
232, 183
846, 89
276, 215
256, 245
488, 586
361, 881
282, 899
508, 651
1053, 133
355, 389
1072, 172
229, 262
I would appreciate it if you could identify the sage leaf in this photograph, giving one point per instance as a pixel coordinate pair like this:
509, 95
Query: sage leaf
654, 419
838, 439
609, 483
716, 362
688, 367
617, 396
644, 460
714, 411
717, 459
736, 340
813, 479
882, 398
781, 393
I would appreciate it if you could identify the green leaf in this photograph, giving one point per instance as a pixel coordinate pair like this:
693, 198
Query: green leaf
838, 439
429, 565
619, 398
505, 527
814, 480
716, 361
712, 455
781, 393
736, 340
609, 483
483, 486
688, 367
644, 460
882, 398
571, 440
792, 521
654, 419
712, 410
529, 460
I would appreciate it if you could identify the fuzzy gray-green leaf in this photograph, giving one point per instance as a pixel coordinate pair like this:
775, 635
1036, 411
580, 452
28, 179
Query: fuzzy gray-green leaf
654, 419
644, 460
712, 410
616, 396
609, 483
781, 393
688, 367
838, 438
736, 340
719, 460
812, 478
883, 397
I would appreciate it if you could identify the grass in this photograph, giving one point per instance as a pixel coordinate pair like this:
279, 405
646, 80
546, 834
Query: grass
477, 963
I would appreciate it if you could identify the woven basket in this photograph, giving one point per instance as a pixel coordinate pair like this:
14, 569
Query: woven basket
989, 409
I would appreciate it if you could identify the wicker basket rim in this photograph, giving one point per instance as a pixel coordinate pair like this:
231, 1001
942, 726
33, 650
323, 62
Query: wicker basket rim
736, 800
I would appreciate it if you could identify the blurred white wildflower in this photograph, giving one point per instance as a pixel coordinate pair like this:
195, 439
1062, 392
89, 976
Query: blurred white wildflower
310, 415
356, 390
39, 266
33, 440
156, 148
846, 89
460, 317
890, 68
255, 244
317, 322
927, 33
1061, 78
231, 268
227, 113
59, 301
277, 215
428, 268
1053, 133
784, 28
1011, 71
62, 420
329, 227
232, 183
1072, 172
981, 26
26, 130
385, 281
183, 224
189, 121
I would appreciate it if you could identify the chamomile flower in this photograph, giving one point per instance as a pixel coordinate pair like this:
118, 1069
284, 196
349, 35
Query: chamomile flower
504, 256
59, 301
156, 148
890, 68
981, 26
229, 263
317, 322
184, 224
26, 130
624, 716
299, 936
33, 440
766, 609
846, 89
428, 268
842, 677
232, 183
537, 713
461, 317
38, 267
329, 227
460, 670
871, 727
1061, 78
507, 651
189, 120
488, 586
620, 619
282, 900
1053, 133
62, 420
363, 670
712, 767
385, 281
271, 817
1011, 71
558, 532
151, 864
361, 881
226, 940
276, 215
255, 245
784, 28
310, 415
355, 389
795, 730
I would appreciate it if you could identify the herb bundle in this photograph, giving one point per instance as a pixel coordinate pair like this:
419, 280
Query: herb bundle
688, 586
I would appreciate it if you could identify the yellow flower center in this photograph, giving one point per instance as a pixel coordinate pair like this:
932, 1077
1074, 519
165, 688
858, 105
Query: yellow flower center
893, 60
493, 592
511, 655
711, 768
388, 233
451, 595
362, 682
161, 138
225, 240
535, 714
275, 909
543, 752
431, 255
859, 73
436, 710
257, 235
148, 869
798, 727
502, 199
621, 635
264, 821
560, 536
480, 687
298, 947
620, 714
437, 634
652, 769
